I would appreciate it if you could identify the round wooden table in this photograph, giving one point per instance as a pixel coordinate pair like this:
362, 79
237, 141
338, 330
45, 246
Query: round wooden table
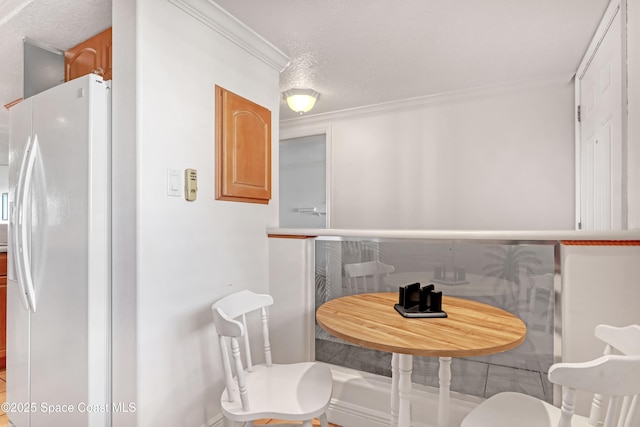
471, 329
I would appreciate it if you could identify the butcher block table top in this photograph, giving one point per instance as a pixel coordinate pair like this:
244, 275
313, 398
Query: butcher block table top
471, 328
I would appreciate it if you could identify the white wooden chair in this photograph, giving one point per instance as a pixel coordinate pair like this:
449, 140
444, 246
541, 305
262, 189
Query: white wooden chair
366, 276
291, 392
614, 379
622, 340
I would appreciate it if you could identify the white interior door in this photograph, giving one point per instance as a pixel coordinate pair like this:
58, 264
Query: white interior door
599, 87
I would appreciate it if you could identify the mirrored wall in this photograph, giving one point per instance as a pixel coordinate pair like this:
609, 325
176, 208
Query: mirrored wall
518, 277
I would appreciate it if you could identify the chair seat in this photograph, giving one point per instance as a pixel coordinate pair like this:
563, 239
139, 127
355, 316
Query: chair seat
515, 409
296, 391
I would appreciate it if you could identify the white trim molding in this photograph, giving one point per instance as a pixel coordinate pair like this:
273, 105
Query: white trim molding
633, 113
541, 236
218, 421
425, 101
228, 26
606, 21
361, 399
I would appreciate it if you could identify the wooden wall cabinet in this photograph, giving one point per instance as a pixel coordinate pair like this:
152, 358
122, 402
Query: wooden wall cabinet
243, 149
90, 56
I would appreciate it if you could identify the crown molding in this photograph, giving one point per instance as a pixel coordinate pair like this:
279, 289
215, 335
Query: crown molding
228, 26
427, 101
607, 19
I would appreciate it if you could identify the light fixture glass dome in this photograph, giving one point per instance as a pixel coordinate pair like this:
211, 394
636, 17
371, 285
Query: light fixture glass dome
301, 100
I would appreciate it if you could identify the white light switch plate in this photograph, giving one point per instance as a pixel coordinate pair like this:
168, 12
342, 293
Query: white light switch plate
174, 188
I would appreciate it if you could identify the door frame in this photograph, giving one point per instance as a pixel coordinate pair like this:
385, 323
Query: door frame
615, 10
301, 131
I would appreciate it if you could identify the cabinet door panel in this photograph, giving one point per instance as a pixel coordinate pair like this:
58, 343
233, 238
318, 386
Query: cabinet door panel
91, 56
80, 62
106, 54
243, 149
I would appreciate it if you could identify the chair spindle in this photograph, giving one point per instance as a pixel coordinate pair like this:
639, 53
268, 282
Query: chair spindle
632, 415
265, 336
568, 407
247, 347
596, 405
228, 376
242, 387
610, 420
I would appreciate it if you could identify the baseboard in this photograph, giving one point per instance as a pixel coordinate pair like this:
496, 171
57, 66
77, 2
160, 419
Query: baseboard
217, 421
361, 399
346, 414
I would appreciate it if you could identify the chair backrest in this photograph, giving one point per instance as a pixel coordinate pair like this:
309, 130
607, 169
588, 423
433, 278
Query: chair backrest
615, 376
618, 340
625, 340
366, 276
230, 318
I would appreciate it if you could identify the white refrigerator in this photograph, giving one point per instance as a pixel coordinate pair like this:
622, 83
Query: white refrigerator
59, 269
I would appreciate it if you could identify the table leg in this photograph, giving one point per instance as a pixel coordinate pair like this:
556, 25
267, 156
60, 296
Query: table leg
445, 384
405, 365
394, 390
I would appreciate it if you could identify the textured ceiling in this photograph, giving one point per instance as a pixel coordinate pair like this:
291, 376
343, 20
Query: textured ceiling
362, 52
354, 52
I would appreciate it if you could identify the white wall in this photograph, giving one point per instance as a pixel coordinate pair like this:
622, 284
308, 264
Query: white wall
599, 286
501, 161
188, 254
124, 210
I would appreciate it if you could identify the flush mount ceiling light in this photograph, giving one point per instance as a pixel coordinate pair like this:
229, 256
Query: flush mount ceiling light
301, 100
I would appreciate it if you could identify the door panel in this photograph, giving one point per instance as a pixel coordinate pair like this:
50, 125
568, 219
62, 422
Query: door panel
59, 238
601, 135
69, 221
17, 314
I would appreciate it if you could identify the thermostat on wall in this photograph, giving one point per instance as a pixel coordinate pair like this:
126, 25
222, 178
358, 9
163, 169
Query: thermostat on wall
190, 184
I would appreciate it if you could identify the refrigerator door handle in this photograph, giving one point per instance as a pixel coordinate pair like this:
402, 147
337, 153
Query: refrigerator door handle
16, 224
23, 237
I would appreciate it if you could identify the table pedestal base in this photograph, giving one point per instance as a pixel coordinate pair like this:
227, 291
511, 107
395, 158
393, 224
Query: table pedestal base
401, 367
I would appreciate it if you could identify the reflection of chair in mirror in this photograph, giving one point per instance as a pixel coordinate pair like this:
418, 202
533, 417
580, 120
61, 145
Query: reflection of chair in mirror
541, 311
535, 304
366, 276
291, 392
614, 379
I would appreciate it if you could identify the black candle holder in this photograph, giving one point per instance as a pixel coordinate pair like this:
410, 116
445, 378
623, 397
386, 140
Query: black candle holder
419, 301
